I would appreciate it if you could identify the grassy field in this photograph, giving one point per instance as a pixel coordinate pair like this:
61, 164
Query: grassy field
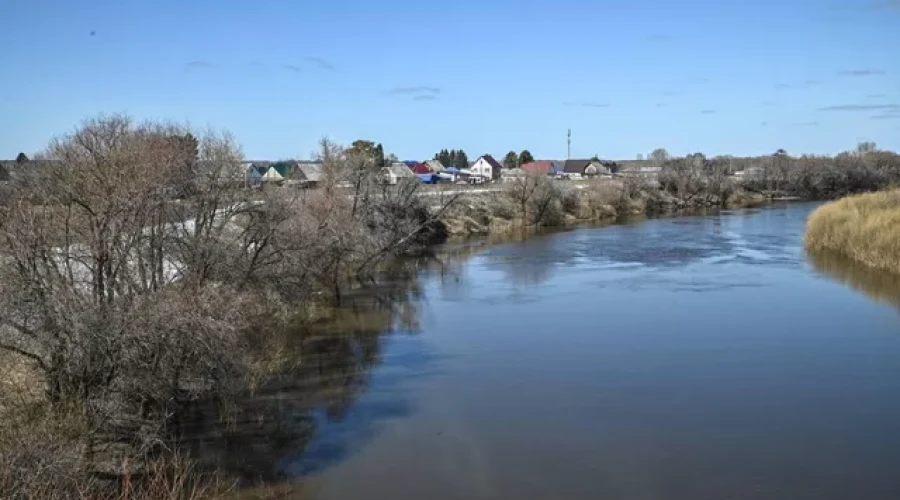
865, 228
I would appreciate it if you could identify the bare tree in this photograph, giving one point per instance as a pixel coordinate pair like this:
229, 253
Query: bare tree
107, 277
132, 268
659, 156
536, 197
866, 147
684, 177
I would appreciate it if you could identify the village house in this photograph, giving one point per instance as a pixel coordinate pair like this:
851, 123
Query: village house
418, 168
435, 166
512, 174
279, 171
397, 172
309, 173
487, 168
587, 168
637, 168
543, 167
250, 174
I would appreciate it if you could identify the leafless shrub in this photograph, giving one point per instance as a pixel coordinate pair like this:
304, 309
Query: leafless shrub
684, 177
134, 272
537, 198
823, 177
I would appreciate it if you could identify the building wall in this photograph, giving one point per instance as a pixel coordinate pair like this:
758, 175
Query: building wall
483, 169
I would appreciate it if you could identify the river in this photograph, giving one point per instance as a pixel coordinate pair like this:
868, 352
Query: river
702, 357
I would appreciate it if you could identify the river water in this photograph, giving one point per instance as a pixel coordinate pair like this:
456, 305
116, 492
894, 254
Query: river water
702, 357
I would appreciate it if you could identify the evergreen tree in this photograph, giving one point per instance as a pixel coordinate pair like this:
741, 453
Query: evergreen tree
452, 158
525, 157
511, 160
462, 159
379, 157
444, 158
22, 158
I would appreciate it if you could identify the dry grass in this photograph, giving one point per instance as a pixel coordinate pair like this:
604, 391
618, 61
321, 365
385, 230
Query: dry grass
865, 228
42, 453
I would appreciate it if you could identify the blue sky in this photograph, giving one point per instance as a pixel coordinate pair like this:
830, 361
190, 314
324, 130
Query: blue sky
483, 75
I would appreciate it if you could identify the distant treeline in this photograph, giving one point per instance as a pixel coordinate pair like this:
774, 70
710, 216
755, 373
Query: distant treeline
808, 176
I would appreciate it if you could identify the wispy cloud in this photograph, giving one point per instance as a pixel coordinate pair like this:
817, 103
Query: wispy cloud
862, 72
416, 93
291, 67
782, 86
886, 116
255, 64
199, 64
708, 112
805, 124
764, 124
420, 89
586, 104
660, 105
876, 96
670, 93
769, 104
810, 83
320, 63
862, 107
658, 37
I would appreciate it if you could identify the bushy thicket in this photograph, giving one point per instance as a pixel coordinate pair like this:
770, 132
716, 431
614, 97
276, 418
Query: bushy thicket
821, 177
138, 280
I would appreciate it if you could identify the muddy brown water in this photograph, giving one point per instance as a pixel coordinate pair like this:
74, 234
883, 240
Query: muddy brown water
691, 358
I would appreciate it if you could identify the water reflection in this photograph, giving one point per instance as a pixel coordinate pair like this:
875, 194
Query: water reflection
880, 285
650, 359
316, 371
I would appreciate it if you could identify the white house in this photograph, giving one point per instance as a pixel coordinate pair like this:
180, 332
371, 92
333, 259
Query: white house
486, 167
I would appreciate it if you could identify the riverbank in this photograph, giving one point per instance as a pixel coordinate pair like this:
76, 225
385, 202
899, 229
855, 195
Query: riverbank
547, 203
864, 228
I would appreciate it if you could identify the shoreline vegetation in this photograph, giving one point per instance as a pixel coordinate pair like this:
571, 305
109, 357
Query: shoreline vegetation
150, 302
534, 202
864, 228
679, 184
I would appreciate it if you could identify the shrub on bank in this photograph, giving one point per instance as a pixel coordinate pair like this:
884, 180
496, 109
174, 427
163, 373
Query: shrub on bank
136, 309
865, 228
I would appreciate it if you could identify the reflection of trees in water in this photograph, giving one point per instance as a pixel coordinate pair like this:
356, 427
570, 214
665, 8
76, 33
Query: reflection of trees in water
879, 285
316, 370
529, 271
534, 260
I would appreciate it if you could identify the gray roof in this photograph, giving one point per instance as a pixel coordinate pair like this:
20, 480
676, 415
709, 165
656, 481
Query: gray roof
435, 166
400, 169
576, 166
311, 172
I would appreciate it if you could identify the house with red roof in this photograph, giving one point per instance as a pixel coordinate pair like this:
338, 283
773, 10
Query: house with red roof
543, 167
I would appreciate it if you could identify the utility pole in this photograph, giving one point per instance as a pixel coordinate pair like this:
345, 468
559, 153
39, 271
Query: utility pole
569, 145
